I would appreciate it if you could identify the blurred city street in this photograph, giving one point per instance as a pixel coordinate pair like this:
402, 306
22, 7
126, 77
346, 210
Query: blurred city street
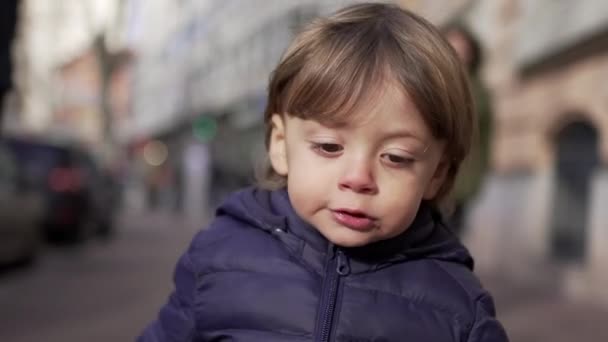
109, 290
147, 113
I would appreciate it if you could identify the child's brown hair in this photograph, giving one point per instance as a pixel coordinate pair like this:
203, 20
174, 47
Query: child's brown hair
339, 62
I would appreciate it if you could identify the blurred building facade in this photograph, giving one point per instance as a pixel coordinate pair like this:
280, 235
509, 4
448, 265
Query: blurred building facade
60, 77
544, 202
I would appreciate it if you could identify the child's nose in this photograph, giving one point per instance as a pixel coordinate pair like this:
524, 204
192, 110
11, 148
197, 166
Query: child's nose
358, 177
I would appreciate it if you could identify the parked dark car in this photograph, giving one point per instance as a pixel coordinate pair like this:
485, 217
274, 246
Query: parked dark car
20, 213
80, 194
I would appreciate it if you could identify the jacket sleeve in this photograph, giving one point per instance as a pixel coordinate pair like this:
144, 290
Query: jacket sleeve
486, 327
175, 321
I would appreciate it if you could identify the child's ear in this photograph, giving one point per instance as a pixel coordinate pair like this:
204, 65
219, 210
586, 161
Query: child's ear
437, 180
277, 149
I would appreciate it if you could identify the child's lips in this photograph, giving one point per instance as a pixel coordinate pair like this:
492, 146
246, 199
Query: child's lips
353, 219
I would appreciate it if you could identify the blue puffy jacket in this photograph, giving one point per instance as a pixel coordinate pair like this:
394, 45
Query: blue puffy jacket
260, 273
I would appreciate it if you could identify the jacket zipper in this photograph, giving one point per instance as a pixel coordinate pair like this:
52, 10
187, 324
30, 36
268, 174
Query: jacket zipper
338, 268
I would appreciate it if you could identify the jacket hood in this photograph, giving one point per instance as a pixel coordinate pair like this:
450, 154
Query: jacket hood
427, 237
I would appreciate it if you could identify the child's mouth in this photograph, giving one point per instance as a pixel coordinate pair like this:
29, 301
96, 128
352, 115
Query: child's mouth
353, 219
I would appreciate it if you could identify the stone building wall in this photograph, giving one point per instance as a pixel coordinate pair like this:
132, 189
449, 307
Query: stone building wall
545, 65
538, 92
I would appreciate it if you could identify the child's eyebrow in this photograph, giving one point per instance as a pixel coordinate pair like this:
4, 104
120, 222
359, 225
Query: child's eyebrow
313, 126
402, 133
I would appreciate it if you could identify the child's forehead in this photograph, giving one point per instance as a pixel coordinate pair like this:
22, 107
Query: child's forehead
387, 98
390, 115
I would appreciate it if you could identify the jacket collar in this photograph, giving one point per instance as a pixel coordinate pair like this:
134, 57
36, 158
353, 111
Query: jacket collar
272, 211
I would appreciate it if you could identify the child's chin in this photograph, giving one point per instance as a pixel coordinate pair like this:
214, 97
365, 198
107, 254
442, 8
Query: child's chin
350, 240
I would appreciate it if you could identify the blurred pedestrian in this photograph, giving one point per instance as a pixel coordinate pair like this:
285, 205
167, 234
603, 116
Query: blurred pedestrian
369, 116
473, 170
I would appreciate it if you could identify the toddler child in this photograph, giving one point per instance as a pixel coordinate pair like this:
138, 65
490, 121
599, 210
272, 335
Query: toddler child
369, 116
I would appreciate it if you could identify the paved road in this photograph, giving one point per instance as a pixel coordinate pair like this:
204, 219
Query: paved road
108, 291
99, 291
539, 312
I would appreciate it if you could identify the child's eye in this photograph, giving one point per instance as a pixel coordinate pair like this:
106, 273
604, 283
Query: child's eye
329, 149
396, 160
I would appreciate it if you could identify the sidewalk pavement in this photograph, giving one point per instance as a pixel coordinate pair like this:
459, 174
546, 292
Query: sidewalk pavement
144, 219
539, 312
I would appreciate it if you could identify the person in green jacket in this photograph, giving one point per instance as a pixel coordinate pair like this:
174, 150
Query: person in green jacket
473, 170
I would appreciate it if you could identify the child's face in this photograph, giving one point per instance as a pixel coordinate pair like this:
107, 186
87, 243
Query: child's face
361, 182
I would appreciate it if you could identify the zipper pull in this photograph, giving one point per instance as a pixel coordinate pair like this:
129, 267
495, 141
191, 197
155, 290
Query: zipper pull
342, 266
